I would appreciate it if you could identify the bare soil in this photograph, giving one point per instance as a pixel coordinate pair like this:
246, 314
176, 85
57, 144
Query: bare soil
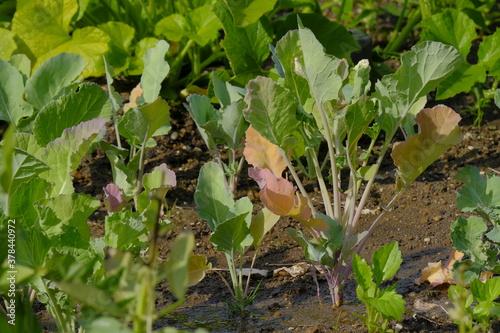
420, 222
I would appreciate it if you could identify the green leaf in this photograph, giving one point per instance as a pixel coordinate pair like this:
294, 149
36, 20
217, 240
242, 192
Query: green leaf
43, 25
271, 109
334, 234
91, 43
125, 231
139, 125
386, 262
422, 69
467, 236
136, 62
248, 12
22, 63
450, 27
52, 77
8, 44
121, 36
104, 324
88, 103
488, 54
232, 235
173, 27
390, 304
155, 71
92, 296
233, 124
12, 105
63, 155
177, 266
314, 253
358, 81
358, 118
160, 180
206, 118
461, 80
322, 71
203, 25
262, 222
32, 246
485, 291
478, 194
246, 48
224, 91
362, 273
325, 31
23, 200
438, 131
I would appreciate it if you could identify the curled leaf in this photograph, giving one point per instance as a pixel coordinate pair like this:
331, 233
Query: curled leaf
263, 154
436, 274
438, 131
279, 195
161, 179
114, 200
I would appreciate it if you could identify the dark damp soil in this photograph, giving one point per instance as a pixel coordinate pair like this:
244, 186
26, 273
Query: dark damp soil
420, 222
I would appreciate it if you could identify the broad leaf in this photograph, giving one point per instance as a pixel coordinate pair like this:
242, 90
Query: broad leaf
271, 109
8, 44
233, 124
206, 118
478, 194
390, 304
88, 103
12, 105
488, 54
52, 77
155, 71
467, 236
248, 12
246, 48
161, 179
63, 155
358, 117
121, 36
263, 154
485, 291
262, 222
438, 131
224, 91
104, 324
362, 273
125, 230
461, 80
177, 267
233, 235
197, 268
386, 262
422, 69
139, 125
450, 27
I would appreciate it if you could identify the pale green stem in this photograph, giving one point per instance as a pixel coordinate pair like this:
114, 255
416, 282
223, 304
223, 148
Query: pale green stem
61, 321
333, 162
324, 190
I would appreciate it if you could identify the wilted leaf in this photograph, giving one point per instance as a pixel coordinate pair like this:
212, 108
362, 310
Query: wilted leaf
436, 274
438, 131
197, 268
134, 99
263, 154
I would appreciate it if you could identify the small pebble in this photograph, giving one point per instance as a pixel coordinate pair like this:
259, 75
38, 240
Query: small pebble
174, 135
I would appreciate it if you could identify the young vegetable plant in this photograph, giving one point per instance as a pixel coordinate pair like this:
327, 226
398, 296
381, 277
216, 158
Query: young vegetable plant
224, 126
233, 227
318, 97
382, 305
475, 309
478, 236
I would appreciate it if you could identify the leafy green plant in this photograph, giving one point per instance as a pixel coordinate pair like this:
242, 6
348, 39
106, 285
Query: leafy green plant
233, 227
318, 97
225, 126
475, 309
456, 28
382, 305
478, 236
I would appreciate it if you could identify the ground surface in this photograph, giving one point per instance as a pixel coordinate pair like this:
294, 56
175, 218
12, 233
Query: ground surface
420, 221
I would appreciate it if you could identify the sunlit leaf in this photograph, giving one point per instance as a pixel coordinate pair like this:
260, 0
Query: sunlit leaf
438, 131
263, 154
